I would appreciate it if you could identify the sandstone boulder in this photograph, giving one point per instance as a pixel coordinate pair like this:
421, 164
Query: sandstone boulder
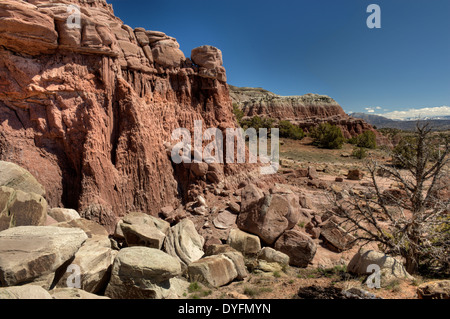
217, 249
144, 219
305, 216
142, 273
314, 231
265, 266
142, 38
209, 59
247, 244
63, 215
24, 292
143, 235
272, 256
184, 242
233, 255
18, 178
94, 260
50, 221
271, 216
118, 233
234, 207
305, 201
298, 246
199, 169
312, 173
225, 220
251, 195
173, 216
91, 228
29, 252
18, 208
207, 56
337, 236
239, 263
167, 54
215, 173
390, 267
355, 175
214, 271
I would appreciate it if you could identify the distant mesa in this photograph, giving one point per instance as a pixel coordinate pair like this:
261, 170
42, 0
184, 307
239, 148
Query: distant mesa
306, 111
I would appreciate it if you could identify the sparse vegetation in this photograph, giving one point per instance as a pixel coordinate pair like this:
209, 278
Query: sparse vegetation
359, 152
393, 285
289, 130
197, 291
238, 113
257, 123
328, 136
194, 287
416, 222
367, 139
256, 291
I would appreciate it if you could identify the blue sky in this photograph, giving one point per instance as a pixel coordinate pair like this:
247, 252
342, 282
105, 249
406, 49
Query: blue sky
317, 46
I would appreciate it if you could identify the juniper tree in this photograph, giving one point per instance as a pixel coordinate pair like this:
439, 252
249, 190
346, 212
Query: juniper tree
413, 220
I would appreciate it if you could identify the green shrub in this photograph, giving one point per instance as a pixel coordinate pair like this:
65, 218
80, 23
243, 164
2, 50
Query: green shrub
238, 113
353, 140
193, 287
404, 153
328, 136
289, 130
367, 139
257, 122
251, 292
359, 152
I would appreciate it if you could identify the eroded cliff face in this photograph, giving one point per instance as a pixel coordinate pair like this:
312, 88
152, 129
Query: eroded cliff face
87, 111
306, 111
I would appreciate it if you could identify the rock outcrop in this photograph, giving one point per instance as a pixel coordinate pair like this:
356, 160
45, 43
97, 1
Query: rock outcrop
30, 252
268, 216
184, 243
390, 268
247, 244
94, 260
298, 246
18, 208
87, 110
18, 178
142, 273
306, 111
215, 271
24, 292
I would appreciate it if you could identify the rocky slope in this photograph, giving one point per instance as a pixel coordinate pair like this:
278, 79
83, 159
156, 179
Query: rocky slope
87, 111
306, 111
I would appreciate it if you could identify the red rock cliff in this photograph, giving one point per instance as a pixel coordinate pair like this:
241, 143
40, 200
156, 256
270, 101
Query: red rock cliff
87, 110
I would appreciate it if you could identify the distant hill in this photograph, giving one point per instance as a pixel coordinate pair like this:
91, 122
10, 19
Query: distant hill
408, 125
305, 111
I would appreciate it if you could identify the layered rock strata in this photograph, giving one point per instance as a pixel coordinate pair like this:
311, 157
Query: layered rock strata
87, 109
306, 111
